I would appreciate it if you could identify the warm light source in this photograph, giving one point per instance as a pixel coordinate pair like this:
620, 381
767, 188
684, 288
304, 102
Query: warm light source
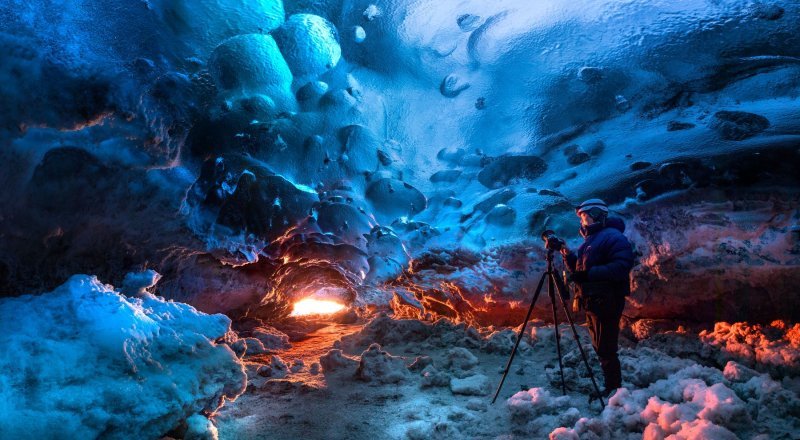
310, 306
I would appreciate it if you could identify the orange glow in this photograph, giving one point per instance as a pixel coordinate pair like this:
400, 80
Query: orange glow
311, 306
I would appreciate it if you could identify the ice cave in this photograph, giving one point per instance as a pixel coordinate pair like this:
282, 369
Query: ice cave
399, 219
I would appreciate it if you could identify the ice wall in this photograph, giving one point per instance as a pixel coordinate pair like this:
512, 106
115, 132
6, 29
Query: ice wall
239, 146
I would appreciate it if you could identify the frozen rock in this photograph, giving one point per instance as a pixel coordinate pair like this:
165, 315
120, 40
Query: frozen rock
239, 347
468, 22
297, 366
314, 368
642, 366
272, 338
645, 328
736, 372
578, 157
335, 360
138, 283
380, 366
394, 198
678, 125
477, 404
460, 361
311, 93
452, 86
359, 34
420, 363
590, 75
120, 361
767, 11
200, 428
622, 103
445, 176
276, 368
372, 12
345, 221
692, 401
532, 402
501, 341
775, 347
310, 44
453, 202
254, 346
737, 125
265, 206
431, 377
501, 215
451, 155
477, 385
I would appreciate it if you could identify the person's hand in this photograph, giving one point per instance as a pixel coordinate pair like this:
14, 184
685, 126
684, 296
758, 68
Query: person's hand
565, 250
579, 276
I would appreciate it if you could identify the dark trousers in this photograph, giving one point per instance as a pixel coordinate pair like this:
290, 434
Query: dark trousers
603, 315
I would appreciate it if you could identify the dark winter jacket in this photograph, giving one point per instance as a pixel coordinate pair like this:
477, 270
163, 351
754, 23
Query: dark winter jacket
607, 257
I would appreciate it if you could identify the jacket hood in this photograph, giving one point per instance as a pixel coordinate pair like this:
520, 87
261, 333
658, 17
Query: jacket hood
616, 223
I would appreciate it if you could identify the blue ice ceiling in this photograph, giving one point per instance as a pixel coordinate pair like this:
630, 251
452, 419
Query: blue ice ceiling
272, 150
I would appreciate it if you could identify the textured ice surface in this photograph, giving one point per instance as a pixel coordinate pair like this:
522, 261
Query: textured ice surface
453, 125
310, 45
85, 361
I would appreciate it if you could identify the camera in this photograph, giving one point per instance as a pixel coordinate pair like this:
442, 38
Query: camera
551, 242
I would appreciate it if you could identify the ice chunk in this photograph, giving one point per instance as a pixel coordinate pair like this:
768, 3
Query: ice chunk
200, 428
477, 385
126, 367
335, 360
380, 366
737, 126
460, 361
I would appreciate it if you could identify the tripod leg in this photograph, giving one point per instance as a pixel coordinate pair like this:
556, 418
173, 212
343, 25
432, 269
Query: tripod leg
551, 293
519, 335
562, 289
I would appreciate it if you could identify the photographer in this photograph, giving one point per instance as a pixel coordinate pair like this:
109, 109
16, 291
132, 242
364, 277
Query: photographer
600, 270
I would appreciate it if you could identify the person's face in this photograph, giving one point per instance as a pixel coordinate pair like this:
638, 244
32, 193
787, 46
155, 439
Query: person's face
585, 219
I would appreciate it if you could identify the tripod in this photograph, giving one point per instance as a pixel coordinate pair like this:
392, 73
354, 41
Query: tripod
553, 283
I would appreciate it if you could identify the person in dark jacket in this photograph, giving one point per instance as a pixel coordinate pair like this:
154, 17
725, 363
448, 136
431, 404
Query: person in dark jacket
600, 271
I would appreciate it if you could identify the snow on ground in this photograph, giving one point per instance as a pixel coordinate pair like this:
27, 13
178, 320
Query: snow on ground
410, 379
85, 361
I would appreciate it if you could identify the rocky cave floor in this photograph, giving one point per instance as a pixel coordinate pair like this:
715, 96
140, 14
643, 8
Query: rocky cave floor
410, 379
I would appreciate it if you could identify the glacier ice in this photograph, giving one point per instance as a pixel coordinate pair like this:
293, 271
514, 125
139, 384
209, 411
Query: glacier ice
85, 361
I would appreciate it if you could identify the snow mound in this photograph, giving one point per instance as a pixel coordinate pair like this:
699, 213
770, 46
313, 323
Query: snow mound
379, 366
272, 338
695, 402
460, 361
335, 360
476, 385
777, 346
88, 362
530, 403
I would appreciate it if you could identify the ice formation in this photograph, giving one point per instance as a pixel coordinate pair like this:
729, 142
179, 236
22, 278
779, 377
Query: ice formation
85, 361
400, 158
